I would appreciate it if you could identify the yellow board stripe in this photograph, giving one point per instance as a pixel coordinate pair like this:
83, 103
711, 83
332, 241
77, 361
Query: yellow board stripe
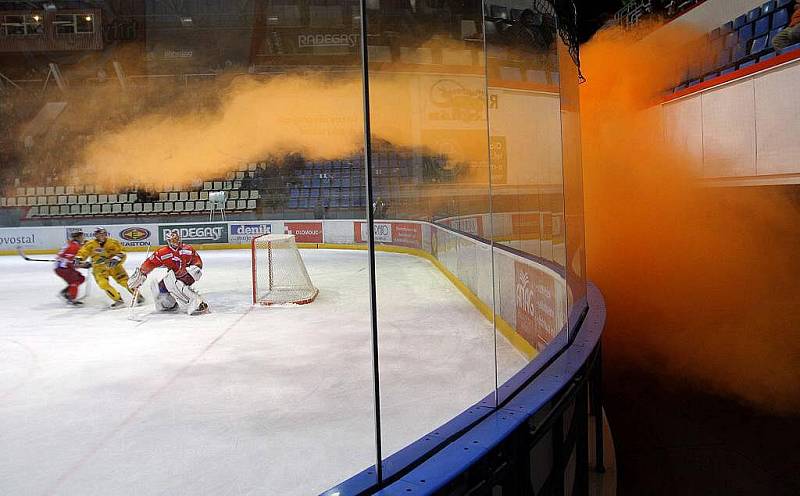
513, 337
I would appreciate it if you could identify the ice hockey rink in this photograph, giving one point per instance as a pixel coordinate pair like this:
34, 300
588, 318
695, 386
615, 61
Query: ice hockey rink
243, 400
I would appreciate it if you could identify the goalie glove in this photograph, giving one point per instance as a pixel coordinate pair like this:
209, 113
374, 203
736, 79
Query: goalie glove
137, 279
194, 271
114, 261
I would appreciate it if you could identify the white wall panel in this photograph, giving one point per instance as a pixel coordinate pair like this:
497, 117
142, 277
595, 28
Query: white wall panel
778, 121
729, 147
683, 131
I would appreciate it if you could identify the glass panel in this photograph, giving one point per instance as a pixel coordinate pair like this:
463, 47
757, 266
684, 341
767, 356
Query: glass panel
431, 202
527, 189
251, 107
573, 188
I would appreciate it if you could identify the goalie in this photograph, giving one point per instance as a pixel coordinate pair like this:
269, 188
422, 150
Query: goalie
184, 268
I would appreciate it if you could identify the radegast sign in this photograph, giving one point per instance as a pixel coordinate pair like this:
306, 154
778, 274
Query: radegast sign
327, 40
196, 233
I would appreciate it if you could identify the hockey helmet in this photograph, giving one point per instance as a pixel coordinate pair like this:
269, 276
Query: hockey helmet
174, 239
76, 235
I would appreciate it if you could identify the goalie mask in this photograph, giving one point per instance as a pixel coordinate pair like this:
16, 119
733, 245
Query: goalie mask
174, 240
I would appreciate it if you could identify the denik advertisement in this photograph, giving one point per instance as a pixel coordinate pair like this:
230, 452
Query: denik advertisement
244, 233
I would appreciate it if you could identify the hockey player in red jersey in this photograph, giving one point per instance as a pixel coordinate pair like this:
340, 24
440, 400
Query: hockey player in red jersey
184, 268
65, 268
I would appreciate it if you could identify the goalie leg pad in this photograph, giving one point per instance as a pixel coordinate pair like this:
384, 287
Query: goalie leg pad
163, 300
179, 290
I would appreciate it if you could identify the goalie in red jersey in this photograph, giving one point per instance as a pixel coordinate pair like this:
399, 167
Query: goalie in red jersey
184, 268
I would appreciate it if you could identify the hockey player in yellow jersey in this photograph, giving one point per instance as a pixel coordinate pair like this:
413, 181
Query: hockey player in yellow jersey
107, 257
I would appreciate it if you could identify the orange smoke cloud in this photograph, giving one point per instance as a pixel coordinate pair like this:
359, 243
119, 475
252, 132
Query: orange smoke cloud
701, 283
318, 117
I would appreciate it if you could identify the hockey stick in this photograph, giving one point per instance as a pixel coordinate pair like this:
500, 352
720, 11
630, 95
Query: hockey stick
29, 259
132, 316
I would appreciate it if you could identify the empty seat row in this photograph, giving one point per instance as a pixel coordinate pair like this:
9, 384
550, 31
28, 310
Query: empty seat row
221, 185
143, 208
203, 195
29, 201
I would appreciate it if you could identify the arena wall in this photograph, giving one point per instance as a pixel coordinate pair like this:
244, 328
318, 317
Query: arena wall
743, 128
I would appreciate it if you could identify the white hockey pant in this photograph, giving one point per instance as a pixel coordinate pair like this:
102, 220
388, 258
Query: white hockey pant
176, 292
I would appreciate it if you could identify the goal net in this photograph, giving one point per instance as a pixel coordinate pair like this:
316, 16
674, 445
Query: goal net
279, 274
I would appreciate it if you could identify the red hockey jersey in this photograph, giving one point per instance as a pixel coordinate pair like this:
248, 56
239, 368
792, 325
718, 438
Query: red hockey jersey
175, 260
66, 257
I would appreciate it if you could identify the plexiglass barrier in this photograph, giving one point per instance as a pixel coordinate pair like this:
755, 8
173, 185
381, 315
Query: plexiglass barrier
426, 158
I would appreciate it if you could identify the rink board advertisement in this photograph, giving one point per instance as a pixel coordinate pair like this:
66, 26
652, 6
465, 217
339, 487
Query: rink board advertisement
33, 238
200, 234
536, 305
305, 232
390, 233
243, 233
130, 235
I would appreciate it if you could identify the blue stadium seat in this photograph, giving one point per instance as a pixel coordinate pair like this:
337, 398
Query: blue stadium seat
293, 202
746, 33
740, 21
783, 3
759, 45
754, 14
780, 19
762, 27
710, 76
746, 64
740, 52
303, 203
768, 56
727, 71
768, 8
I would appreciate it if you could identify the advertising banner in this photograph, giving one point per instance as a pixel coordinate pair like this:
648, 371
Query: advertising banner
472, 224
209, 233
525, 226
393, 233
536, 305
244, 233
305, 232
31, 238
407, 234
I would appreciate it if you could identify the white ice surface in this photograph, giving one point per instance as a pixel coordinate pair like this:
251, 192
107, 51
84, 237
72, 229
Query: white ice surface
244, 400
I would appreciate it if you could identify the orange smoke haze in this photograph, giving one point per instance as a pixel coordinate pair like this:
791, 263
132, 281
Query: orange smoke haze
702, 283
257, 118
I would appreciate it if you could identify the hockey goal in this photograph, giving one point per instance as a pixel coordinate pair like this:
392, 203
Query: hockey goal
279, 274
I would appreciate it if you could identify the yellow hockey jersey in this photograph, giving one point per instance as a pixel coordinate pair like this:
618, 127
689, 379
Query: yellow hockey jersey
101, 253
